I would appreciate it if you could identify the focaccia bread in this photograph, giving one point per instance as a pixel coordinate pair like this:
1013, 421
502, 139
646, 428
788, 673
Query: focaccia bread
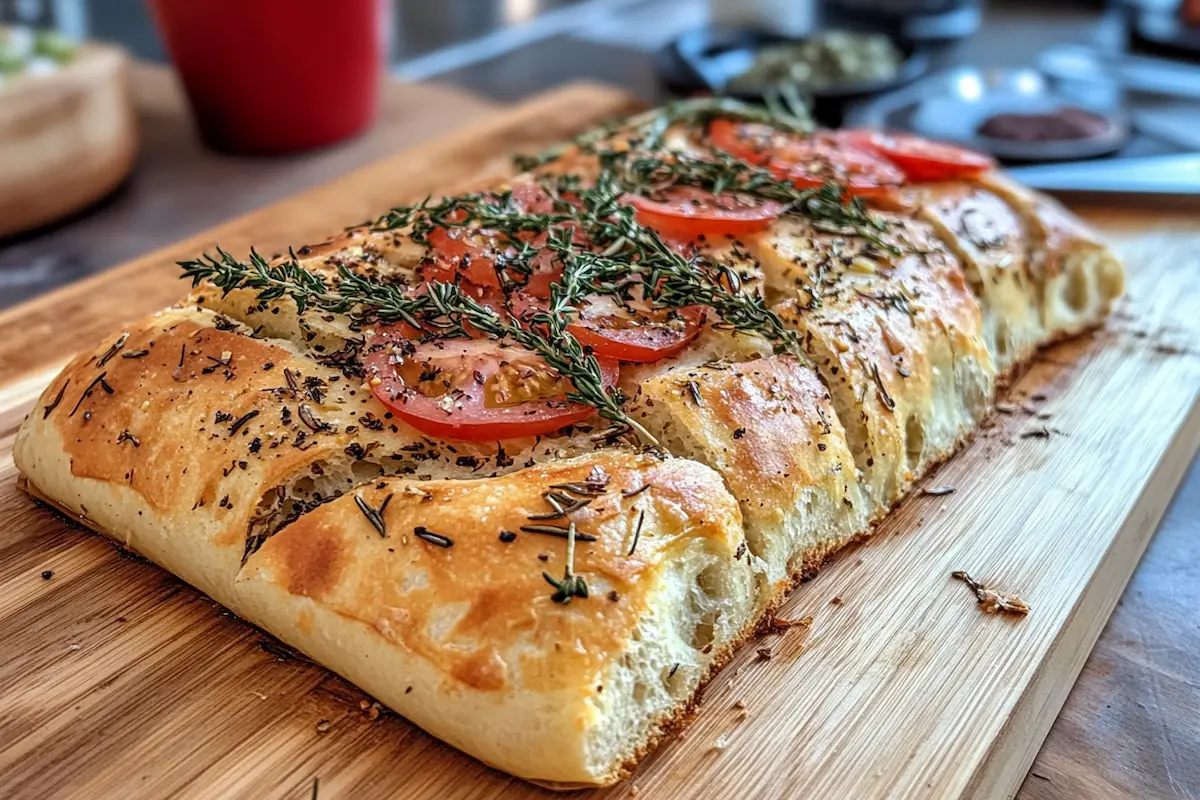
529, 464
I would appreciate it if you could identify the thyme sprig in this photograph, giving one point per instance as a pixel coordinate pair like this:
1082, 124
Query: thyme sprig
827, 206
616, 256
443, 311
649, 128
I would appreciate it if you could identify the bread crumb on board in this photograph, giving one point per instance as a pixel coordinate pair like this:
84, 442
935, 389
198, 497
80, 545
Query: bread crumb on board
991, 601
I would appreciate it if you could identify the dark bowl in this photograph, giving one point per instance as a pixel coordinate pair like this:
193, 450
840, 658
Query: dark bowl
706, 59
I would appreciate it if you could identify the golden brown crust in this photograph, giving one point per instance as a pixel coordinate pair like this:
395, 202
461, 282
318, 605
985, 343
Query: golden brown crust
401, 584
472, 620
993, 245
1076, 276
898, 339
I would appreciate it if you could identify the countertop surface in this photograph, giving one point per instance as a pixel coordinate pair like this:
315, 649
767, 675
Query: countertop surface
1131, 726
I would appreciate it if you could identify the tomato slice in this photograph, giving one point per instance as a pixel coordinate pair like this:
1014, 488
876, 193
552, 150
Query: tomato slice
808, 161
642, 337
689, 212
751, 142
455, 251
471, 389
922, 159
477, 256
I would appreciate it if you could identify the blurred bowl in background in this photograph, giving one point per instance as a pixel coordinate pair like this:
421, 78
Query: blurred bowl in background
267, 77
68, 137
975, 100
719, 60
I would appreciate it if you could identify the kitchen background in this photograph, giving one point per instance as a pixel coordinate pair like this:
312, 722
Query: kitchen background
973, 56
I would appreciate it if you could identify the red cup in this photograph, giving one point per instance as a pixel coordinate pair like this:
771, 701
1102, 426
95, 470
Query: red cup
266, 77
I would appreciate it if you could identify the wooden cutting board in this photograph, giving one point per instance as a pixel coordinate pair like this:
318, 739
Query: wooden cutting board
116, 680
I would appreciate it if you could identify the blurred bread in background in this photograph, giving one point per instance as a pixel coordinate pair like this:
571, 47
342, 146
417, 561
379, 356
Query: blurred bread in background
68, 132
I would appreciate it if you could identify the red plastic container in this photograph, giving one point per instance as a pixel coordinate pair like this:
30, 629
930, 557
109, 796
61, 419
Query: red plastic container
267, 77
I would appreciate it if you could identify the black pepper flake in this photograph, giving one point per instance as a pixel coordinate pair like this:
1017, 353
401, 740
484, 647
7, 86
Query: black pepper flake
502, 458
543, 556
739, 433
421, 532
821, 446
507, 536
314, 386
221, 416
268, 366
293, 385
126, 436
637, 532
47, 574
255, 445
356, 451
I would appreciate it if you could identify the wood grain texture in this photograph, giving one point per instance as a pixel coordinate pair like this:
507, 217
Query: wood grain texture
116, 680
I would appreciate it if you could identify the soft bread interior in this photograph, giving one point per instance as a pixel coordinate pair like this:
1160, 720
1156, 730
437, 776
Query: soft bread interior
700, 608
1078, 277
991, 242
769, 428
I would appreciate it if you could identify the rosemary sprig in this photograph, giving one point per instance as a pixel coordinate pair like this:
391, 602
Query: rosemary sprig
571, 585
374, 515
287, 278
699, 111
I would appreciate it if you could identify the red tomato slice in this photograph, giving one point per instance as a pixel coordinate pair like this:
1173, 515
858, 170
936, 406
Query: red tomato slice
471, 389
642, 337
455, 251
808, 161
751, 142
689, 212
922, 159
478, 255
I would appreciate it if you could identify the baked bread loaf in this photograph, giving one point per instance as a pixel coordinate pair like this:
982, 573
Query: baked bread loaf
529, 464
